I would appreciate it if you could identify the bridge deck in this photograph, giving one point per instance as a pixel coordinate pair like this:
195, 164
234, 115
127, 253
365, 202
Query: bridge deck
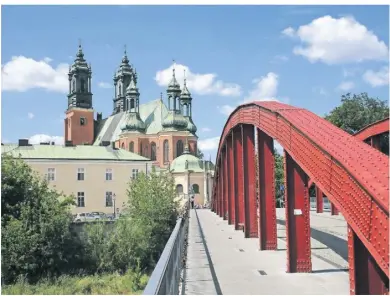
221, 261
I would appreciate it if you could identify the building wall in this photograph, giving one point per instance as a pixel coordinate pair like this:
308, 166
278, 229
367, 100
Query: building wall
94, 184
74, 131
193, 178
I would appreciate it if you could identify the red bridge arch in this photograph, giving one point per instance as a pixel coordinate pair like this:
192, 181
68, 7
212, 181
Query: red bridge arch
353, 175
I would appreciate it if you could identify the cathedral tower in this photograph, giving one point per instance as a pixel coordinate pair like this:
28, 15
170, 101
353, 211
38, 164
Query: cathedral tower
79, 121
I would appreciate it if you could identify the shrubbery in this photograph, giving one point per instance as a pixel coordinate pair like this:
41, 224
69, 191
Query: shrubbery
38, 241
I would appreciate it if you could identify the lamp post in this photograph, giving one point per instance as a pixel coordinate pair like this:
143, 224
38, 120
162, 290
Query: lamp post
113, 199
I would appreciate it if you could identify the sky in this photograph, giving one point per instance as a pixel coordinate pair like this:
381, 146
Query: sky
305, 56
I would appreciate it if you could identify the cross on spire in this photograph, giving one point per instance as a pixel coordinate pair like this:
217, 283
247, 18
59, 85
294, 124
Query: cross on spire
79, 42
174, 64
125, 50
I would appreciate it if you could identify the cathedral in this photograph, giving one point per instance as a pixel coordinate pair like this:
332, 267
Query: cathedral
154, 130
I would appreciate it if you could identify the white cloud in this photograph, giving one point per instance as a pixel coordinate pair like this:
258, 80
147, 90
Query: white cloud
40, 138
226, 109
279, 59
21, 74
104, 85
335, 41
201, 84
209, 144
278, 147
30, 115
379, 78
320, 90
346, 86
265, 89
206, 129
47, 60
288, 32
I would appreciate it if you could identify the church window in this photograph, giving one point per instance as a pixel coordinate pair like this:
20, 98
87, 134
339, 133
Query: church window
131, 147
153, 151
166, 151
83, 121
74, 85
140, 149
132, 104
82, 86
195, 188
179, 188
120, 90
179, 148
123, 145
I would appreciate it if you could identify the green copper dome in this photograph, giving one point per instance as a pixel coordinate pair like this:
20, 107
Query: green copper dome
185, 93
173, 86
80, 63
186, 162
132, 88
133, 122
191, 127
174, 120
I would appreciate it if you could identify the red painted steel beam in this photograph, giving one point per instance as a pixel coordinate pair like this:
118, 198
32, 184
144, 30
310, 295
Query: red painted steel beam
366, 278
238, 178
230, 182
352, 175
225, 187
320, 200
223, 210
297, 217
333, 210
250, 202
374, 129
267, 209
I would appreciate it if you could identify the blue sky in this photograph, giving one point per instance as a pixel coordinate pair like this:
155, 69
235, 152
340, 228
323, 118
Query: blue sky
306, 56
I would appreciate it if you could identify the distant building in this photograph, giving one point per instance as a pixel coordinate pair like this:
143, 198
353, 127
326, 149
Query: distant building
95, 175
133, 138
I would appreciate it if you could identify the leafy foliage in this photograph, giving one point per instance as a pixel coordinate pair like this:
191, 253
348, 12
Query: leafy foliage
36, 236
279, 177
357, 111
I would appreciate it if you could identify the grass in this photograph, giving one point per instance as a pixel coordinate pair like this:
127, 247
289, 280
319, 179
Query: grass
106, 284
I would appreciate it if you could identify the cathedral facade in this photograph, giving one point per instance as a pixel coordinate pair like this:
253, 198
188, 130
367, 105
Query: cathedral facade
154, 130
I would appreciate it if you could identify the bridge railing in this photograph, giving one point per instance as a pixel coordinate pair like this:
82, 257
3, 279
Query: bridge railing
165, 279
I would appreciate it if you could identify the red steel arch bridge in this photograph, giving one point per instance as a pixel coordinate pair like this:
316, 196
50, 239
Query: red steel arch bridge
353, 175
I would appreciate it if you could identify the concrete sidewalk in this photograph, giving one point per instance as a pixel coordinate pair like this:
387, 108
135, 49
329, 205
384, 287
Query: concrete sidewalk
224, 262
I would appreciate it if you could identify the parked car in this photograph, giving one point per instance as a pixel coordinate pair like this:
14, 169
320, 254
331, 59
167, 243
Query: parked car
84, 217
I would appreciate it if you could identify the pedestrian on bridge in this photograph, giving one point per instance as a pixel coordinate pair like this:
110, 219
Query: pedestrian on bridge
192, 199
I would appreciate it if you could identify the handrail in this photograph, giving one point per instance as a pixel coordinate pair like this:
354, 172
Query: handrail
166, 275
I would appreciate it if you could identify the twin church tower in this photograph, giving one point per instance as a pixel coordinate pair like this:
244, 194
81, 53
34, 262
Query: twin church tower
152, 130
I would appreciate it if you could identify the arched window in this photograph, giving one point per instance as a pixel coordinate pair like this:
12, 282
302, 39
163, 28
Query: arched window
123, 145
82, 86
131, 147
179, 148
179, 188
132, 105
153, 151
140, 149
73, 85
120, 90
166, 151
195, 188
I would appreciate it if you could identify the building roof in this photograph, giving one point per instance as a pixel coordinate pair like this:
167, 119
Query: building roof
151, 113
188, 162
82, 152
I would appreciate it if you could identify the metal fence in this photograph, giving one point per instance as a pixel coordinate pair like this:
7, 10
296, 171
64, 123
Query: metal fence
165, 279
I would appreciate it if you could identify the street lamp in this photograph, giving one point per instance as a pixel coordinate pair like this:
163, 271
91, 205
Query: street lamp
113, 199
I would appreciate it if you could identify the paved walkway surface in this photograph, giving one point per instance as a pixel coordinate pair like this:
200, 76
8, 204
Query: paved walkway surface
221, 261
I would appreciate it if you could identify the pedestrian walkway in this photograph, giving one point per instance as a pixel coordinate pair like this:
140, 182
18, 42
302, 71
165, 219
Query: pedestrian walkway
221, 261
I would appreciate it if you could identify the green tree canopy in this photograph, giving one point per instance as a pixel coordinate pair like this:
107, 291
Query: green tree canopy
36, 236
357, 111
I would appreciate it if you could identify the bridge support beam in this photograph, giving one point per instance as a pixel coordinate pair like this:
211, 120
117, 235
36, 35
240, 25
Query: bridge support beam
267, 209
223, 209
297, 217
238, 178
230, 180
250, 202
220, 210
334, 211
320, 200
225, 185
365, 276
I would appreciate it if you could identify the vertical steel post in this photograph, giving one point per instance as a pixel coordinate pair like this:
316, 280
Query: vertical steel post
320, 200
267, 202
365, 276
238, 178
230, 180
333, 210
297, 217
250, 202
225, 185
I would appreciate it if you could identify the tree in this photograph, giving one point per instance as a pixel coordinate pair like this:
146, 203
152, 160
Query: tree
36, 236
357, 112
152, 211
279, 177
